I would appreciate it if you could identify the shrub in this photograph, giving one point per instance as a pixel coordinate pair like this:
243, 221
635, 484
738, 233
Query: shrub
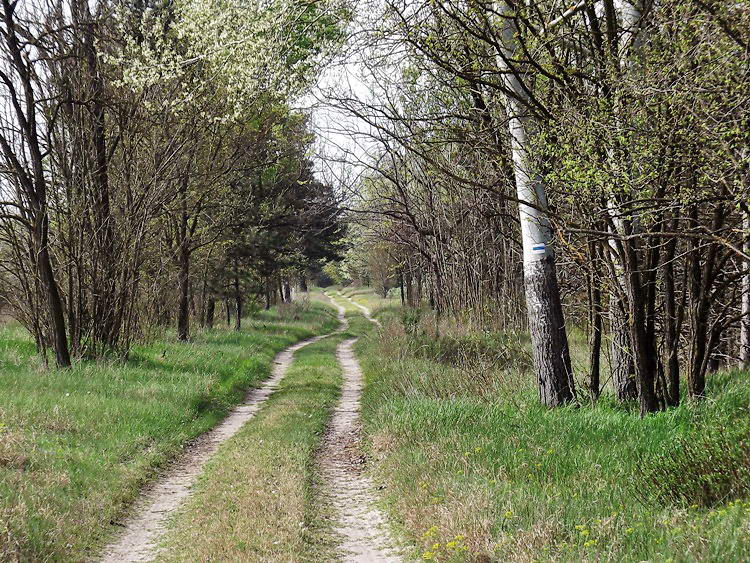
293, 311
410, 318
708, 470
497, 350
461, 346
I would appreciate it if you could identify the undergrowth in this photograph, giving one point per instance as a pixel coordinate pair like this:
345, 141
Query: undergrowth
475, 469
705, 470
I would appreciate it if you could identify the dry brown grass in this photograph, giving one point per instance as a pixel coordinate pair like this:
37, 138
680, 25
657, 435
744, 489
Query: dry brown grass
14, 449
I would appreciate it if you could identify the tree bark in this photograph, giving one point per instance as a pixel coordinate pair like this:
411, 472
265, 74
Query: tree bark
546, 322
622, 367
411, 300
595, 322
401, 286
210, 309
745, 322
237, 302
54, 301
672, 323
183, 305
548, 336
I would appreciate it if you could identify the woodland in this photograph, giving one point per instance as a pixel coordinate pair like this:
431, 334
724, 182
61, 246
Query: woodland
154, 167
531, 218
535, 168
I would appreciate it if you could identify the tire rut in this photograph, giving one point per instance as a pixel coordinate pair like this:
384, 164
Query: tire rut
362, 527
146, 527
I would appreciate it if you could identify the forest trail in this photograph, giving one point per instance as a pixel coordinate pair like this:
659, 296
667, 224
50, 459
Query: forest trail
365, 311
362, 526
145, 528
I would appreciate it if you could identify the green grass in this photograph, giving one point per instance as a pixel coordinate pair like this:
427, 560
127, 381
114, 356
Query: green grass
77, 445
476, 469
365, 296
259, 497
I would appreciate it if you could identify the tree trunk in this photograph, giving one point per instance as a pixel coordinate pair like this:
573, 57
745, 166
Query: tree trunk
701, 277
410, 290
210, 309
622, 367
717, 348
183, 306
671, 325
107, 317
401, 285
237, 302
546, 322
745, 323
644, 354
418, 295
34, 181
287, 291
202, 308
238, 312
54, 302
595, 322
548, 336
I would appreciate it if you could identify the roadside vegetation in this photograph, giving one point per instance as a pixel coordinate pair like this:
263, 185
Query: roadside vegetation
77, 444
476, 469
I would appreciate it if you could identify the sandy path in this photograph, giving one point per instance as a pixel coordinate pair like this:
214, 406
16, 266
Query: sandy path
360, 524
144, 530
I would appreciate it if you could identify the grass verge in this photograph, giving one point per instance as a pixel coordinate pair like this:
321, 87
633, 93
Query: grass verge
476, 470
259, 498
77, 445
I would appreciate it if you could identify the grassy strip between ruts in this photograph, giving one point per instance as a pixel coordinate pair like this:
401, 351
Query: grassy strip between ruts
77, 445
476, 470
258, 499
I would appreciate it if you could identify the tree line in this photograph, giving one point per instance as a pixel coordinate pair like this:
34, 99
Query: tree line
153, 166
541, 166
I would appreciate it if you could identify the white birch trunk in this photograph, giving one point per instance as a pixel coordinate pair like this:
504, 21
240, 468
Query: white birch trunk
546, 322
622, 361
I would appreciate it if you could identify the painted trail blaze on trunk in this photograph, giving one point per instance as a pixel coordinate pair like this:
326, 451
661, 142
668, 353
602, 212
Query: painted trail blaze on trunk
549, 340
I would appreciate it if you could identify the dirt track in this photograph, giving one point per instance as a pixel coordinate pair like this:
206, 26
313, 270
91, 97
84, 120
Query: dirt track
362, 527
365, 537
144, 529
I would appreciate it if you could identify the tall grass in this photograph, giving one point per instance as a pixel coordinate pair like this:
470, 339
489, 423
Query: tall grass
76, 445
476, 469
